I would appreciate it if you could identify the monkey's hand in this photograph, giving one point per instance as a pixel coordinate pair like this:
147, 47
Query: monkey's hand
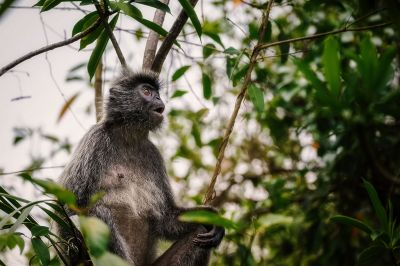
210, 239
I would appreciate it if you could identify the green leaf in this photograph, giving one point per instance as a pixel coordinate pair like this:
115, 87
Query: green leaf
377, 204
98, 51
96, 235
57, 219
5, 5
153, 26
372, 256
215, 37
179, 73
39, 230
49, 4
85, 22
206, 80
331, 62
14, 240
53, 188
66, 106
284, 48
128, 9
189, 10
208, 50
178, 93
231, 51
257, 97
352, 222
207, 217
41, 250
155, 4
108, 259
21, 218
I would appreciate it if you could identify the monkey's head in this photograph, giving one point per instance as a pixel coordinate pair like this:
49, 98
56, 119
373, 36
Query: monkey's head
135, 101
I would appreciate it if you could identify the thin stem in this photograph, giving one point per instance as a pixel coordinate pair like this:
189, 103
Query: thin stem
103, 16
229, 128
98, 91
50, 47
323, 34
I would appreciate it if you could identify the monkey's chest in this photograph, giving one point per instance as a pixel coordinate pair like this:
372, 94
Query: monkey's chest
140, 190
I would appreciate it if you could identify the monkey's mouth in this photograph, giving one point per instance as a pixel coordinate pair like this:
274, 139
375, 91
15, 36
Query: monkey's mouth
158, 111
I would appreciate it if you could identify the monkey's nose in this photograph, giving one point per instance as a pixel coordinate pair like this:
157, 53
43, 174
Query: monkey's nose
159, 109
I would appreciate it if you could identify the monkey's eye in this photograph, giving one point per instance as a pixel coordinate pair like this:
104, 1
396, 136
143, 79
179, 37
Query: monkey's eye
146, 92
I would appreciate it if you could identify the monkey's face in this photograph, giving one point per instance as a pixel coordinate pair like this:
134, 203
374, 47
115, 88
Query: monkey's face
151, 103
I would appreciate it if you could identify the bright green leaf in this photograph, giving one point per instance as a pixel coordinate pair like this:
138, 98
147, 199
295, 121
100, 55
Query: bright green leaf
231, 51
331, 62
179, 72
207, 217
257, 97
108, 259
178, 93
96, 235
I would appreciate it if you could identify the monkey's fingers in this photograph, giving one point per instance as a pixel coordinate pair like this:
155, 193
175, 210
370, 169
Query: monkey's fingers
208, 234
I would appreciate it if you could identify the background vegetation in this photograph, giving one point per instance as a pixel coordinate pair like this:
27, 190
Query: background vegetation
310, 174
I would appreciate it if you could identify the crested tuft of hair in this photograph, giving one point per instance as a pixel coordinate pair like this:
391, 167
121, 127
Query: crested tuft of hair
130, 79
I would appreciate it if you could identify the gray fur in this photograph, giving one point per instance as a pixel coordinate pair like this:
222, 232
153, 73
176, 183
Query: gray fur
117, 157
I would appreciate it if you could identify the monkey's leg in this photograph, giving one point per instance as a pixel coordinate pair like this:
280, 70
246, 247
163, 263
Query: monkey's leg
117, 243
185, 253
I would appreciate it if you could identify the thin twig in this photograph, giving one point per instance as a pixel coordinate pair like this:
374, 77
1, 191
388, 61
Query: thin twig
104, 18
152, 40
169, 40
229, 128
50, 47
323, 34
32, 169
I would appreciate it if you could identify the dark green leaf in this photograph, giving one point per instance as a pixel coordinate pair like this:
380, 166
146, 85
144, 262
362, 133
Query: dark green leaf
179, 73
372, 256
57, 219
377, 204
208, 50
352, 222
284, 48
153, 26
99, 49
91, 37
257, 97
178, 93
231, 51
207, 217
96, 235
39, 230
128, 9
41, 250
206, 80
331, 62
84, 23
5, 5
187, 6
155, 4
215, 37
49, 4
14, 240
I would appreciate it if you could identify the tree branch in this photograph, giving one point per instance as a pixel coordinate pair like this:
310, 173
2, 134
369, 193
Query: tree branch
152, 40
103, 16
323, 34
169, 40
50, 47
98, 91
229, 128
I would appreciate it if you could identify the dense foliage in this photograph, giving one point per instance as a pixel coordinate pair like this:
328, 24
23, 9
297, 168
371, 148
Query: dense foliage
318, 136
